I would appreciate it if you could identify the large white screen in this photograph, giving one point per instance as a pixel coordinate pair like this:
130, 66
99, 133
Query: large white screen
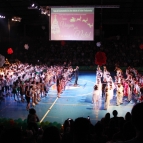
72, 24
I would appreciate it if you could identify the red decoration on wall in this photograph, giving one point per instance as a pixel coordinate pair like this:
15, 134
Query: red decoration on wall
100, 58
63, 43
9, 51
141, 46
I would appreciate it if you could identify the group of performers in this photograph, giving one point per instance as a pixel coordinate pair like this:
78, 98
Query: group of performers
123, 87
33, 82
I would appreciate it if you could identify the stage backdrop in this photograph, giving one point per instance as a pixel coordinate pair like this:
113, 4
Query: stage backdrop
72, 24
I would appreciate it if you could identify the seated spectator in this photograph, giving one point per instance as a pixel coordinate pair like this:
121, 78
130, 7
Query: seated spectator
81, 133
128, 117
115, 118
68, 131
51, 135
128, 131
99, 136
105, 121
119, 135
137, 120
13, 135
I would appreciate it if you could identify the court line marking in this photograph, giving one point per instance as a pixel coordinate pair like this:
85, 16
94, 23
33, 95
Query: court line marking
75, 95
48, 110
72, 104
56, 101
53, 95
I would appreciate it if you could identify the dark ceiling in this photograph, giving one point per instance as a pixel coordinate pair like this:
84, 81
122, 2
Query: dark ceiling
130, 11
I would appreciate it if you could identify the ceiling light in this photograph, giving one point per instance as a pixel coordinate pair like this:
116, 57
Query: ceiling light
45, 10
18, 19
33, 5
1, 16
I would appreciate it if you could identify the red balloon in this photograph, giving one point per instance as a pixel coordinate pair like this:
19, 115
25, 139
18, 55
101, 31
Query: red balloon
141, 46
9, 51
100, 58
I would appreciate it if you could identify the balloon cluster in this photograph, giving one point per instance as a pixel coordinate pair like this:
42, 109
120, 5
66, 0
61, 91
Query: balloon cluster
9, 51
141, 46
98, 44
100, 58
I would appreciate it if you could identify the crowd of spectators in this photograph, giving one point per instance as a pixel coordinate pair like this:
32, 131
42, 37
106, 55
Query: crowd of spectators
107, 130
124, 51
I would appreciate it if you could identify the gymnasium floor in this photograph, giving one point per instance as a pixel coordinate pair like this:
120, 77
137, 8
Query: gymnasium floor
74, 102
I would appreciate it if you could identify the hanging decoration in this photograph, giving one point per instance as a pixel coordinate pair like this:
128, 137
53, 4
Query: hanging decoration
100, 58
98, 44
26, 46
9, 51
141, 46
63, 43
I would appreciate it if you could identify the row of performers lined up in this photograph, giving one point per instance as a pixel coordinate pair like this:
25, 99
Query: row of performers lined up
128, 87
12, 82
131, 75
26, 71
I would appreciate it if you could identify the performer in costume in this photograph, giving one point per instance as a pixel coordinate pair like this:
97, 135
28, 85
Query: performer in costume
99, 86
22, 90
58, 86
104, 83
136, 90
14, 90
129, 92
96, 96
76, 71
99, 73
111, 89
107, 98
119, 93
118, 72
38, 85
106, 74
34, 93
27, 97
42, 90
125, 86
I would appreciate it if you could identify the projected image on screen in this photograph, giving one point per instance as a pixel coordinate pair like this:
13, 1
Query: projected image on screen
72, 24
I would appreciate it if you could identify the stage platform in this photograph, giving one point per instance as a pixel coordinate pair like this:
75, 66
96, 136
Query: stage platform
75, 101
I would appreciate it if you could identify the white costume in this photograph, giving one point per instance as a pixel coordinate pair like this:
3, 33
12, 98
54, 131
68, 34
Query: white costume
119, 95
99, 74
99, 85
107, 98
96, 96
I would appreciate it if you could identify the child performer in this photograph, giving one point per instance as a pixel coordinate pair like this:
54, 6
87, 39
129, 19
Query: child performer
58, 86
27, 97
107, 98
96, 96
119, 94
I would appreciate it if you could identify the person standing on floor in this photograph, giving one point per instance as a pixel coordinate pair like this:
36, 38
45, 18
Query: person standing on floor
27, 97
99, 73
119, 92
99, 86
76, 71
107, 98
96, 96
58, 86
